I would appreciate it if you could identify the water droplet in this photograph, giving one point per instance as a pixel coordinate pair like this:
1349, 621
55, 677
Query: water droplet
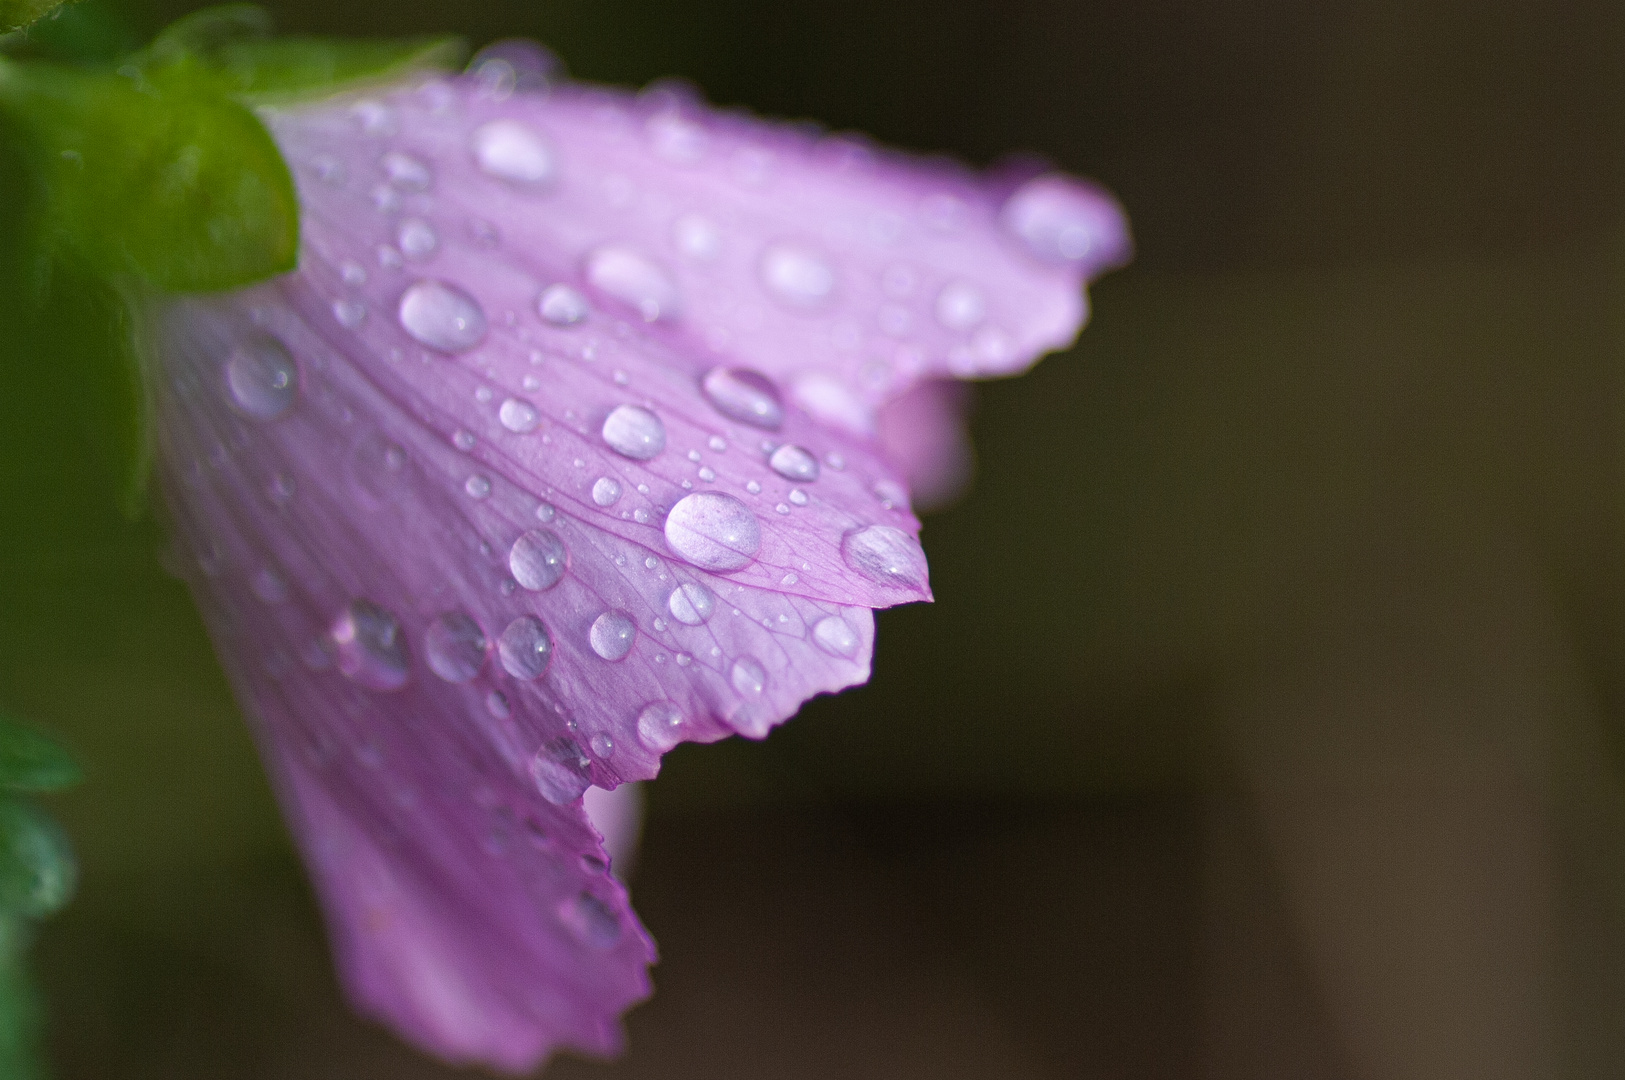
797, 276
525, 649
442, 316
634, 432
591, 921
606, 491
630, 277
718, 443
477, 486
960, 306
1060, 220
417, 238
545, 512
660, 726
612, 634
371, 647
349, 313
794, 463
261, 378
562, 305
406, 172
748, 676
508, 150
835, 461
560, 782
518, 416
454, 646
744, 395
753, 487
713, 531
835, 636
269, 586
691, 603
887, 555
375, 117
496, 703
697, 237
463, 440
538, 559
601, 745
353, 274
798, 497
707, 473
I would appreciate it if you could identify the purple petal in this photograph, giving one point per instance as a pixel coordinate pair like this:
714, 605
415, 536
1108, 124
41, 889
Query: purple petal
555, 452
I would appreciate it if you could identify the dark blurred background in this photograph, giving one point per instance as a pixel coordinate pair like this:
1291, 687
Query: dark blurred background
1271, 720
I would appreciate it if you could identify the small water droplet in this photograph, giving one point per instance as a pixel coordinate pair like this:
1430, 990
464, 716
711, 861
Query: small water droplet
385, 199
545, 512
798, 497
417, 238
960, 306
1060, 220
562, 305
713, 531
389, 258
634, 432
718, 443
697, 237
496, 703
531, 383
612, 634
660, 726
707, 473
353, 274
370, 645
557, 773
797, 276
406, 172
835, 461
518, 416
606, 491
753, 487
691, 603
454, 647
484, 394
744, 395
538, 559
269, 586
525, 648
633, 279
477, 486
835, 636
463, 440
748, 676
886, 555
262, 378
508, 150
349, 313
442, 316
794, 463
374, 117
591, 921
601, 745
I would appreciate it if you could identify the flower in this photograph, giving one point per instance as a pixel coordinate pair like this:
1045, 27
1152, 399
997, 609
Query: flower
566, 442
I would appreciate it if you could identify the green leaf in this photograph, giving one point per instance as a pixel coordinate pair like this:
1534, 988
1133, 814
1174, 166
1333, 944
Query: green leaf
37, 868
166, 181
15, 14
31, 762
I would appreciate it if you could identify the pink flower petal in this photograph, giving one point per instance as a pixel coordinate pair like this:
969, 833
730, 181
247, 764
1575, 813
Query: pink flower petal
555, 452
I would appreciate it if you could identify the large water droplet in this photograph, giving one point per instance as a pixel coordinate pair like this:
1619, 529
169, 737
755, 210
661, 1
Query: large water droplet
744, 395
713, 531
371, 647
454, 646
630, 277
660, 726
960, 306
601, 745
691, 603
538, 559
406, 172
887, 555
442, 316
835, 636
525, 648
591, 921
562, 305
606, 491
748, 676
1058, 219
417, 238
794, 463
508, 150
612, 634
262, 378
557, 773
797, 276
634, 432
518, 416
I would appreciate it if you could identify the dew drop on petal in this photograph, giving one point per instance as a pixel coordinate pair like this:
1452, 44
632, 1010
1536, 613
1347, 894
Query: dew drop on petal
797, 276
496, 703
794, 463
560, 782
606, 491
525, 648
417, 238
612, 634
1058, 219
887, 555
538, 559
601, 745
261, 378
454, 647
562, 305
518, 416
660, 726
442, 316
744, 395
371, 647
691, 603
591, 921
835, 636
697, 237
713, 531
406, 172
748, 676
509, 150
349, 313
477, 486
634, 432
635, 280
960, 306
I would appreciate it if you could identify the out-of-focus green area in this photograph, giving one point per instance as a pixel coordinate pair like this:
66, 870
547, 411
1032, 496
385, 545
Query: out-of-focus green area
1353, 420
